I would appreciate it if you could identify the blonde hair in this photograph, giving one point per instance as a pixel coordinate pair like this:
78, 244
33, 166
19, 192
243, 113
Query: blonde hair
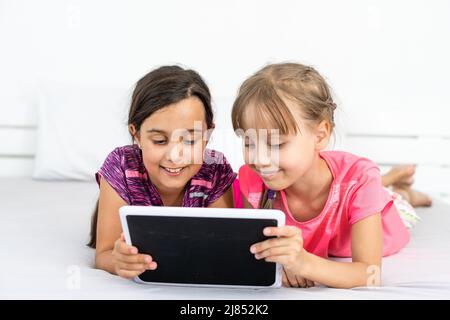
267, 90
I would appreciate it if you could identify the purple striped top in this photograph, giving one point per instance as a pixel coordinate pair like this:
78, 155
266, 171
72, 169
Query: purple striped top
125, 172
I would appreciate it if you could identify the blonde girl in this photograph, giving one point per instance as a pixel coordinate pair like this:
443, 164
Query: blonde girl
334, 201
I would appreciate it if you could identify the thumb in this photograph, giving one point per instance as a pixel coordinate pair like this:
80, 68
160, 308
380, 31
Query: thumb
122, 237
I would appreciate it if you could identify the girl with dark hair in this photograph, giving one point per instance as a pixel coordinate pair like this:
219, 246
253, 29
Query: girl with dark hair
168, 164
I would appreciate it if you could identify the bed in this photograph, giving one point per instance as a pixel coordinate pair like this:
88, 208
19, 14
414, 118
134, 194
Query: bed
45, 226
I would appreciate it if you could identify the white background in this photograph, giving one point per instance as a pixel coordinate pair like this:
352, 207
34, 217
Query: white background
387, 62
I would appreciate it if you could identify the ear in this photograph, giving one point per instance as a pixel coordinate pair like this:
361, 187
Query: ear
323, 132
136, 135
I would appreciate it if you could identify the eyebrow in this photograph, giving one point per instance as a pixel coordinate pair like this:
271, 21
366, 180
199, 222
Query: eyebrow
152, 130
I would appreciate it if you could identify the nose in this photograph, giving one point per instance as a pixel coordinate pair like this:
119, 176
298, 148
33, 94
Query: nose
262, 157
175, 154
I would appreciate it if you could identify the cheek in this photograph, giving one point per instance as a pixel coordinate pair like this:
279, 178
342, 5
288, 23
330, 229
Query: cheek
289, 164
294, 158
197, 151
249, 155
290, 158
193, 155
152, 157
246, 155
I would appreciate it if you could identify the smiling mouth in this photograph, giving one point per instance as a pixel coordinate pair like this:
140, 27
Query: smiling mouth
172, 171
267, 174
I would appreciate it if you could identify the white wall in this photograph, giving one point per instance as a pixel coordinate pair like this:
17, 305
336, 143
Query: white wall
387, 62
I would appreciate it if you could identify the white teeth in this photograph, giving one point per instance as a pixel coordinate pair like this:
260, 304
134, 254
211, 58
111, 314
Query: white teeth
173, 170
267, 173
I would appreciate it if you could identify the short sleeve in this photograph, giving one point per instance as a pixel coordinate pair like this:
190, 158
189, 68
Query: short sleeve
369, 196
113, 172
223, 179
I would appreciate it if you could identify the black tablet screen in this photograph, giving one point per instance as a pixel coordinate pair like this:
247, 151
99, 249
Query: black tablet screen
202, 250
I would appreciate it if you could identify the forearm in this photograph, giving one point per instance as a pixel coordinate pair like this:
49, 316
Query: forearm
104, 261
342, 275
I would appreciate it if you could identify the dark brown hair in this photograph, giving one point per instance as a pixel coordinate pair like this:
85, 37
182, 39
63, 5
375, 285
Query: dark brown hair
266, 92
156, 90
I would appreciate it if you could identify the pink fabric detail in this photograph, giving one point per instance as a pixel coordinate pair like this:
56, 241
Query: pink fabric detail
203, 183
237, 194
254, 198
134, 174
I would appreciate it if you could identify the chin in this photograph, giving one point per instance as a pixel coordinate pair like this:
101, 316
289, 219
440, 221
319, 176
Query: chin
168, 183
178, 183
275, 185
174, 187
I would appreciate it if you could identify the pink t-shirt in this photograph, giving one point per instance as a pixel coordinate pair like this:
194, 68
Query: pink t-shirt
356, 193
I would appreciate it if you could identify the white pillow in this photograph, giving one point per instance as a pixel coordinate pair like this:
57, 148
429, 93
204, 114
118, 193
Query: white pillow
77, 128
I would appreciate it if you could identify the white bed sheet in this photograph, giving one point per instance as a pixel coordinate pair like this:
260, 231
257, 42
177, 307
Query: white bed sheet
44, 226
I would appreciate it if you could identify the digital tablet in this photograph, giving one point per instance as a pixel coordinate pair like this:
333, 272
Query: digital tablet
202, 246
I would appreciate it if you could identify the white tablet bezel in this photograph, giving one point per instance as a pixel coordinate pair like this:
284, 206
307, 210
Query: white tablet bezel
202, 213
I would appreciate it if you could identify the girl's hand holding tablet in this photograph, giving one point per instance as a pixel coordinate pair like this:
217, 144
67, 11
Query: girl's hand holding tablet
128, 262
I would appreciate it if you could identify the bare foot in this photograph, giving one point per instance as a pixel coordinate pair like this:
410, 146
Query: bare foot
401, 176
414, 197
419, 199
